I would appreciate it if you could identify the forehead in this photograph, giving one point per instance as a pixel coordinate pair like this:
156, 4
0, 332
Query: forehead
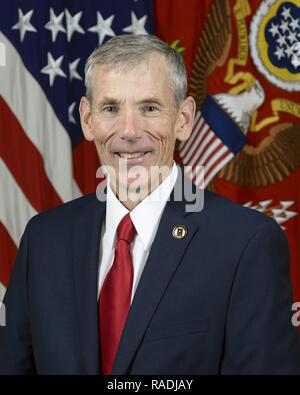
152, 73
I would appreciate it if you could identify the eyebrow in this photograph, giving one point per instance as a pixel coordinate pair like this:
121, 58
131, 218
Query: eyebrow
151, 99
107, 100
111, 100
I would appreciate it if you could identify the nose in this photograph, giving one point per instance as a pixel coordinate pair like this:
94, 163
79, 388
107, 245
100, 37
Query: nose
130, 129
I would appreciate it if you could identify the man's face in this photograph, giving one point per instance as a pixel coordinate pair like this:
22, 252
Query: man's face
133, 118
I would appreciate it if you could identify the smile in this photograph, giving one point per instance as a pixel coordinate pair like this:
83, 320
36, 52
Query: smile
132, 155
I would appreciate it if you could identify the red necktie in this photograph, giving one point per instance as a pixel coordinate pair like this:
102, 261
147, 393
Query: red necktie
115, 295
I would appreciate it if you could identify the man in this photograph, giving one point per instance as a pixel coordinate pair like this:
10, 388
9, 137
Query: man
138, 283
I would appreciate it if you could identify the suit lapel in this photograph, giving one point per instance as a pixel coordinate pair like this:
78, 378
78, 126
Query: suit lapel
165, 255
86, 239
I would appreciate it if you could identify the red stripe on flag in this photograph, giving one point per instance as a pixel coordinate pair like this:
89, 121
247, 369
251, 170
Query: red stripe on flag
194, 147
86, 163
216, 163
7, 256
25, 162
198, 123
214, 152
202, 147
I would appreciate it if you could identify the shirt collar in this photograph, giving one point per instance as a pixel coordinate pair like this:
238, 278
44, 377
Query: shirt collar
146, 215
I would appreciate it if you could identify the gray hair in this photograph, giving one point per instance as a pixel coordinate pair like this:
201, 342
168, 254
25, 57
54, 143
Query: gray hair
129, 50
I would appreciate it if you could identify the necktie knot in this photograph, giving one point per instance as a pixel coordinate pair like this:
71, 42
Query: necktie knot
126, 230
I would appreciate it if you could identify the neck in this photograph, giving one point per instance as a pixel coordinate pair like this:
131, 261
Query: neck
131, 197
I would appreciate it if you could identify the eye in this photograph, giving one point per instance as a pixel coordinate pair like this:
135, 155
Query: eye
150, 108
110, 109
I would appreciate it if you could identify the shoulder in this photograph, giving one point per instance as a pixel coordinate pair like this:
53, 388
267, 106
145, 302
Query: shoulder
218, 206
238, 236
223, 217
212, 211
65, 215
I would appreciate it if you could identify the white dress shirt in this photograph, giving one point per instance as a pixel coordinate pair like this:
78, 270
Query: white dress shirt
145, 217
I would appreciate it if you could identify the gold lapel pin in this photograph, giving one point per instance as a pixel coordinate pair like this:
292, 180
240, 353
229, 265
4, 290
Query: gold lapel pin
179, 232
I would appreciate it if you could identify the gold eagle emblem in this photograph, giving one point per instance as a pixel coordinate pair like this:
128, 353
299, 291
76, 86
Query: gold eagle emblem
276, 155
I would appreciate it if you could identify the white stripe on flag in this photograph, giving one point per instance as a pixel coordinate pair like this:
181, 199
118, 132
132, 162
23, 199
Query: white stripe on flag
209, 149
221, 150
214, 170
205, 140
204, 148
185, 146
202, 136
15, 210
30, 105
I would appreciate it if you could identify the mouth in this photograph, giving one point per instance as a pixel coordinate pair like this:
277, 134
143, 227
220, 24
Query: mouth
131, 155
133, 158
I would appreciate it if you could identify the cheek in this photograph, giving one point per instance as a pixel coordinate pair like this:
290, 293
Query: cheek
162, 131
102, 139
102, 129
165, 143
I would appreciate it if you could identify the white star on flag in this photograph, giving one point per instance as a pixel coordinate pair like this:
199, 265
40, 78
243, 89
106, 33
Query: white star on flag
53, 68
24, 24
279, 53
274, 29
292, 37
289, 51
73, 24
137, 25
70, 113
55, 24
286, 13
295, 23
72, 70
103, 27
284, 26
281, 41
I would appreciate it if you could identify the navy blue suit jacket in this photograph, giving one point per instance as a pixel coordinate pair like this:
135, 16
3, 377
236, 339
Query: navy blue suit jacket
217, 301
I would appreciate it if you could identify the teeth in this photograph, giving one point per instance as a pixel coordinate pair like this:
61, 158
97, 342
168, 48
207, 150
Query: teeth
126, 155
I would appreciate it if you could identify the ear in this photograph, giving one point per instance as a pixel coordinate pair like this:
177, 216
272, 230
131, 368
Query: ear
185, 119
86, 119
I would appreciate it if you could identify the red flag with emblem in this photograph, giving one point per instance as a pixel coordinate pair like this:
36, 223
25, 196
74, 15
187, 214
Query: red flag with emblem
246, 57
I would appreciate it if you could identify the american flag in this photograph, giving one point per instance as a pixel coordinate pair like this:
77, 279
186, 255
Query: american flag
43, 158
214, 141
